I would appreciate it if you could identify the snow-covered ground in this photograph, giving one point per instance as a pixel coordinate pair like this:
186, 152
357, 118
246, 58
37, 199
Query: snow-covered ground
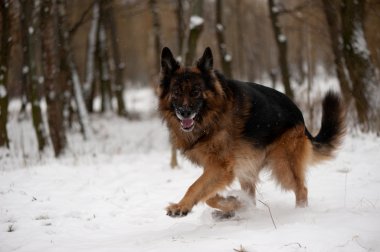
109, 194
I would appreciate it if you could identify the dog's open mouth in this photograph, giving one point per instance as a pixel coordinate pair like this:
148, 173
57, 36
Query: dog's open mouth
187, 123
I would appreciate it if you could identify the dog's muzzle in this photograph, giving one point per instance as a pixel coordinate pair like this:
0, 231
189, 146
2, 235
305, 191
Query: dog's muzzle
187, 119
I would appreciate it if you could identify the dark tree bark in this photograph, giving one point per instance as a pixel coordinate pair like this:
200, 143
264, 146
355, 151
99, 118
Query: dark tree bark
241, 70
103, 66
331, 10
6, 40
282, 47
53, 87
180, 39
365, 88
156, 32
25, 69
180, 26
31, 10
71, 66
103, 60
196, 28
89, 86
225, 57
118, 63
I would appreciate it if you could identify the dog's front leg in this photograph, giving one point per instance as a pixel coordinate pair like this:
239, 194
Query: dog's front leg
213, 179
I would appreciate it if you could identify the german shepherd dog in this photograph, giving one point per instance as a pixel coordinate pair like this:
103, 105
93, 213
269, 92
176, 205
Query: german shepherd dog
234, 129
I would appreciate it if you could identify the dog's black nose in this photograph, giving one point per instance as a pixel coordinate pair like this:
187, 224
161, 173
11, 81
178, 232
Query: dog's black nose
185, 112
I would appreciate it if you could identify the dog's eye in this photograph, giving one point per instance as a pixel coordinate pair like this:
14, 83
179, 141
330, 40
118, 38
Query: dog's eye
195, 93
176, 93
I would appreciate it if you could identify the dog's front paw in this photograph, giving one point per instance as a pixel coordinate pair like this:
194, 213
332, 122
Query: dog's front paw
177, 210
220, 215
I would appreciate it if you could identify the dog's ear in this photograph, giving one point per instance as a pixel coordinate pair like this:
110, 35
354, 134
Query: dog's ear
168, 63
205, 63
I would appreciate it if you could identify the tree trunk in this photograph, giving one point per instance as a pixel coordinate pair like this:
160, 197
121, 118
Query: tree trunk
196, 28
241, 70
6, 40
25, 68
118, 63
282, 47
156, 32
105, 81
31, 10
180, 27
365, 90
53, 87
69, 61
180, 39
225, 57
89, 84
330, 11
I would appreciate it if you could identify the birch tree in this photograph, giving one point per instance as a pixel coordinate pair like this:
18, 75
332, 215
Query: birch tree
69, 61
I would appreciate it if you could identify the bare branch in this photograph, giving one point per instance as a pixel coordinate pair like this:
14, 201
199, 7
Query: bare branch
270, 212
81, 20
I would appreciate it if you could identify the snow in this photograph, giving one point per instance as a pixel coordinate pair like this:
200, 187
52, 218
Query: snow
25, 69
360, 44
109, 194
219, 27
195, 21
227, 57
51, 95
41, 80
3, 91
275, 9
281, 38
31, 30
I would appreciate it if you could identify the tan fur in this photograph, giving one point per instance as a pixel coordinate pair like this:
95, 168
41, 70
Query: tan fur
287, 158
218, 146
224, 160
226, 157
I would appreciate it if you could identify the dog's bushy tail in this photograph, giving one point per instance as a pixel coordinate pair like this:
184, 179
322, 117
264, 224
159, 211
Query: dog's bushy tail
333, 128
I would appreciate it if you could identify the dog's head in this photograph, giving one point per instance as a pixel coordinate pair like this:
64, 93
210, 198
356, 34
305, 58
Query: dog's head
186, 92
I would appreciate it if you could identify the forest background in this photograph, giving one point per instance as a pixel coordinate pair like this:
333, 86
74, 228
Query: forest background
66, 54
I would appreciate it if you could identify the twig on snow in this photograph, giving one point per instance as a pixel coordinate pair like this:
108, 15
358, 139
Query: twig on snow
270, 212
241, 249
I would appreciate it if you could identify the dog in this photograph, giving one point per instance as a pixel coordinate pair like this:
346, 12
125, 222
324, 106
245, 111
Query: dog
234, 129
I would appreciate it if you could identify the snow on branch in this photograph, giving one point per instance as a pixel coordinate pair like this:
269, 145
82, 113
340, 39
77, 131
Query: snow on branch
195, 21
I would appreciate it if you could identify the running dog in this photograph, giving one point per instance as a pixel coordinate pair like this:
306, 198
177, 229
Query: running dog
234, 129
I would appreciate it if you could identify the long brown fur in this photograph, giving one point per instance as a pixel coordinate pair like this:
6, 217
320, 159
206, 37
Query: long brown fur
218, 144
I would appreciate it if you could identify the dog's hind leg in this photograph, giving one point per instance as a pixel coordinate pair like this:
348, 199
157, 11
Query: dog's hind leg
291, 176
288, 159
250, 188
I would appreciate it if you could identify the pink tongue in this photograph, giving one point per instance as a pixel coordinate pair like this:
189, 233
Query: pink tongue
187, 123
